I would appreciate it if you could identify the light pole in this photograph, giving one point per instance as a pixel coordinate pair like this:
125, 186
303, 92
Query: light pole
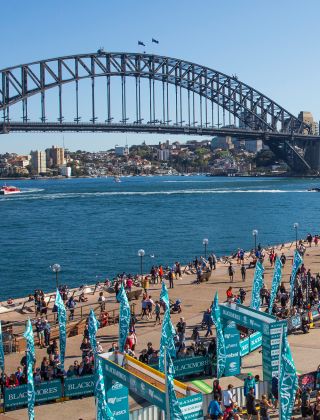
255, 233
56, 268
141, 255
295, 226
205, 243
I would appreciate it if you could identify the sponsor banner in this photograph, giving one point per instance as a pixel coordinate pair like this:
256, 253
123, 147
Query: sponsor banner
244, 346
84, 385
232, 344
255, 341
189, 365
46, 391
117, 398
192, 407
294, 323
135, 384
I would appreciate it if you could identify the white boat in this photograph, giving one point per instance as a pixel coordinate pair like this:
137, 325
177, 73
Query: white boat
7, 189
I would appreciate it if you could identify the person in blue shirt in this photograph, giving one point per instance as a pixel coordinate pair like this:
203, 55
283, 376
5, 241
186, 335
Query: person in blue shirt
249, 383
214, 409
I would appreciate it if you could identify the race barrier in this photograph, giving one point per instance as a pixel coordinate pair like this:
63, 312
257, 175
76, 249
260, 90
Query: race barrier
150, 384
154, 413
46, 391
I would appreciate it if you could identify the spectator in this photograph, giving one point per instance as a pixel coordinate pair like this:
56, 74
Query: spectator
227, 396
216, 390
71, 304
250, 404
249, 383
40, 332
144, 357
157, 312
85, 347
265, 405
243, 272
306, 409
102, 302
181, 329
214, 409
47, 332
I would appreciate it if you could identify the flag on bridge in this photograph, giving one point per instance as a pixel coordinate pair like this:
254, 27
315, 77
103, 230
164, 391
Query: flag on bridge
257, 285
155, 41
141, 43
168, 332
276, 280
103, 410
288, 381
125, 315
297, 261
221, 348
62, 319
31, 358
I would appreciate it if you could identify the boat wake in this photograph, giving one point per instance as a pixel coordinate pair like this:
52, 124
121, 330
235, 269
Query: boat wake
60, 196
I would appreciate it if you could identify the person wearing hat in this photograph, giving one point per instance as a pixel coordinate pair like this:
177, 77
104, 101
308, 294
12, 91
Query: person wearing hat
249, 383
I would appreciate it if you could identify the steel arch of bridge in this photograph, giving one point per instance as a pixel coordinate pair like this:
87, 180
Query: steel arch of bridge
255, 110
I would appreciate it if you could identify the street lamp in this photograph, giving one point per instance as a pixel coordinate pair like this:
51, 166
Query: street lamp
141, 255
56, 268
255, 233
205, 243
295, 226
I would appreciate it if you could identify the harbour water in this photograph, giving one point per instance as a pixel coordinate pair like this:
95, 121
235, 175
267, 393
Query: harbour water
94, 227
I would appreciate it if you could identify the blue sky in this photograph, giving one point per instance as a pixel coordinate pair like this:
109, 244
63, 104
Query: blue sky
271, 45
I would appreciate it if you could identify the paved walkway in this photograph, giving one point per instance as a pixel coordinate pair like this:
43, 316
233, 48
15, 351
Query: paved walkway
195, 300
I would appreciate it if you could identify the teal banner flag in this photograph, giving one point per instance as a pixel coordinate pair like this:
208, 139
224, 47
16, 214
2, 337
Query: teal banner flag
124, 320
168, 332
297, 261
288, 382
276, 280
31, 357
62, 318
221, 348
103, 411
93, 328
257, 285
1, 350
173, 403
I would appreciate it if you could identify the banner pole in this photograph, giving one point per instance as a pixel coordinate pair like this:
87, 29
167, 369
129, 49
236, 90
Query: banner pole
167, 416
280, 356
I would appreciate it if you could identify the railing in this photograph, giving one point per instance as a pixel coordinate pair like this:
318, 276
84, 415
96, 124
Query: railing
13, 331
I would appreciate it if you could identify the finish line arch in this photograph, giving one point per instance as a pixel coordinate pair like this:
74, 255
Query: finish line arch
272, 332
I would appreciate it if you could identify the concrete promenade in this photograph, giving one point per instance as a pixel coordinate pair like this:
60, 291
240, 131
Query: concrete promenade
196, 298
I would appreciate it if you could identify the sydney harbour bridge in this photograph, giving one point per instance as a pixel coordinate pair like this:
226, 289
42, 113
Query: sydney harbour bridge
146, 93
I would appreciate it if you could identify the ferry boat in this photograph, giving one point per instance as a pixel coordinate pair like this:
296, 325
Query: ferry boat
7, 189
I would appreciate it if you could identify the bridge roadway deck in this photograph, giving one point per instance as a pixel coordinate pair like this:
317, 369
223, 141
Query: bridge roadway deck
17, 126
195, 299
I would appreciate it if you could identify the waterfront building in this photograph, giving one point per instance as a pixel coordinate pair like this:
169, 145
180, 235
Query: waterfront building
224, 143
121, 150
307, 118
38, 161
55, 156
163, 154
65, 171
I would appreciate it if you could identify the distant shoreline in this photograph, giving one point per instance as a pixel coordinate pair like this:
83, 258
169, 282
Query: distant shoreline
145, 176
